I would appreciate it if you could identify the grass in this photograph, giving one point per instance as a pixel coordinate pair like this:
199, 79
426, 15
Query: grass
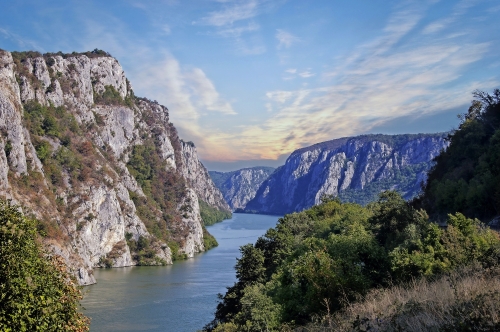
465, 300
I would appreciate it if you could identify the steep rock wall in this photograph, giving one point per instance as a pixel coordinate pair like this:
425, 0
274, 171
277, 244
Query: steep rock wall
68, 128
198, 178
239, 187
356, 169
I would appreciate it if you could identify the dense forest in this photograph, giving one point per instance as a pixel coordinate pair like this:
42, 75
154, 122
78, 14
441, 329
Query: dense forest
392, 265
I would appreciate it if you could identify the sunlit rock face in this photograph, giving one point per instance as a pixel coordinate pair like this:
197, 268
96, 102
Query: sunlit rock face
355, 169
91, 206
198, 178
239, 187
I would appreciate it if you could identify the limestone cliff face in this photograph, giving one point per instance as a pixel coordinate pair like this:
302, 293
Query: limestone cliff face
69, 126
239, 187
198, 178
356, 169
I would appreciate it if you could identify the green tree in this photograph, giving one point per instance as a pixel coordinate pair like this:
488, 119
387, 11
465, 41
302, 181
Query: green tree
36, 291
466, 177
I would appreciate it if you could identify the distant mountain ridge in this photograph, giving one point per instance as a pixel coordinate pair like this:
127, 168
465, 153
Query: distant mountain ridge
238, 187
353, 168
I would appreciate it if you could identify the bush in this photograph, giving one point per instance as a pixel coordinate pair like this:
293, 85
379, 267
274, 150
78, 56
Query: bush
37, 291
211, 215
109, 97
209, 240
334, 253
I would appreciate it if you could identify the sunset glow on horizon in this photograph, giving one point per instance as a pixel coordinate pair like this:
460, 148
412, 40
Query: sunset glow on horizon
254, 80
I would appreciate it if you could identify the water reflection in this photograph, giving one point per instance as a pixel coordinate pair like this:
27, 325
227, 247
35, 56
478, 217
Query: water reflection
179, 297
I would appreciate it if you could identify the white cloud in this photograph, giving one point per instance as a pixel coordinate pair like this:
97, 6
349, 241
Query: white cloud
229, 23
458, 10
393, 76
285, 39
188, 93
238, 31
231, 13
306, 74
205, 94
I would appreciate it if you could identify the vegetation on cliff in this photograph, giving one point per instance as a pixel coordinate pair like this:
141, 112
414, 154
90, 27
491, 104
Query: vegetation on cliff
36, 291
211, 215
72, 159
312, 271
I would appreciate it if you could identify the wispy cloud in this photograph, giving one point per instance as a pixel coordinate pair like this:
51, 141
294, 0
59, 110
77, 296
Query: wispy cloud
406, 70
395, 75
204, 93
459, 10
234, 20
23, 43
238, 31
306, 74
285, 39
187, 90
232, 12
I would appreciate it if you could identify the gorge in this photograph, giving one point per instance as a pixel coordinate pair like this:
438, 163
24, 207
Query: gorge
103, 170
356, 169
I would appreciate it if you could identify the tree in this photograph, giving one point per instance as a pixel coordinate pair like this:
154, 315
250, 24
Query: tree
36, 291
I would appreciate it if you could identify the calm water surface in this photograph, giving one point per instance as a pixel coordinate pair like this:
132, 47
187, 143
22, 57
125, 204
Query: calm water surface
179, 297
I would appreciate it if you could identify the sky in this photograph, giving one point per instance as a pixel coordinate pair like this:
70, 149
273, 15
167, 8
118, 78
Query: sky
250, 81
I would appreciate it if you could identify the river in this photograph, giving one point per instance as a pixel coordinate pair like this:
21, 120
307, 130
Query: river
178, 297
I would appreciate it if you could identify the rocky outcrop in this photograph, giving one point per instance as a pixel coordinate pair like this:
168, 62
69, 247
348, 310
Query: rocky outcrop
69, 126
191, 218
355, 169
198, 178
239, 187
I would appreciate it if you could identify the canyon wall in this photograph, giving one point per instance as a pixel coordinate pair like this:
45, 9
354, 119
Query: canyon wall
104, 171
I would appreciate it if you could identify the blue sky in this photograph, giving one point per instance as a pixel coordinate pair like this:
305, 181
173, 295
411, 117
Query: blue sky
249, 81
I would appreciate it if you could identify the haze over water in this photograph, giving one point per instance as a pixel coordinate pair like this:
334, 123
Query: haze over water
179, 297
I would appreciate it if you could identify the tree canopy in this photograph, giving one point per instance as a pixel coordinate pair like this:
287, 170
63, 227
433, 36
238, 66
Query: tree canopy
36, 291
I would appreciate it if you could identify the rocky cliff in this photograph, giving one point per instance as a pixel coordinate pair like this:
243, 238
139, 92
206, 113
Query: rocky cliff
104, 171
239, 187
199, 179
355, 169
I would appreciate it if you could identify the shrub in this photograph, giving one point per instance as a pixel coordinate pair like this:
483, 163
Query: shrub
109, 97
43, 150
211, 215
37, 291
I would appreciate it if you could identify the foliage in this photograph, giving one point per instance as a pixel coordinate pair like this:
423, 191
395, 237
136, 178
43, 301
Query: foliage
466, 177
403, 180
322, 261
96, 53
144, 254
109, 97
48, 120
333, 253
49, 123
211, 215
209, 240
37, 292
164, 190
22, 56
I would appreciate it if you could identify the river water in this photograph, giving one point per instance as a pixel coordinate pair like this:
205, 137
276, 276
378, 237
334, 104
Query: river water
178, 297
